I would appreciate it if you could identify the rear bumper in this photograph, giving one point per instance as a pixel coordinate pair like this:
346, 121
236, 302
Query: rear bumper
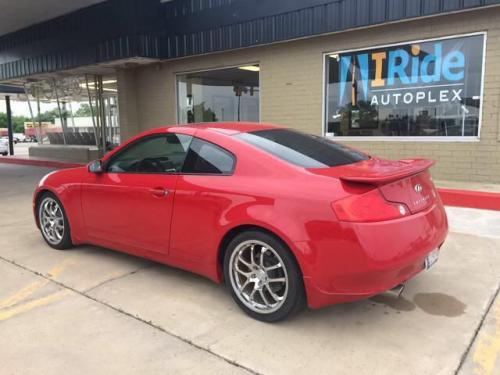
369, 258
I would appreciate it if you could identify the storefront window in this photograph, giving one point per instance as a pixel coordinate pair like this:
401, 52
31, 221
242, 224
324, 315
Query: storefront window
429, 88
219, 95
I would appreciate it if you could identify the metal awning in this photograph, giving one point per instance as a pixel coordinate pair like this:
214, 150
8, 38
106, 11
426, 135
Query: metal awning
19, 14
121, 31
8, 89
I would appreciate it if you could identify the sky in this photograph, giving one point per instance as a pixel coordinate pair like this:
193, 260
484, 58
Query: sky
20, 108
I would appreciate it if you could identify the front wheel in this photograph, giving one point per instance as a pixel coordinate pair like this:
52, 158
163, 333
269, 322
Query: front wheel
54, 223
263, 277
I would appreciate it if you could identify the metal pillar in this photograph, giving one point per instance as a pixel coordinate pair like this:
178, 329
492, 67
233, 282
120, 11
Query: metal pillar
10, 129
91, 109
102, 112
38, 134
63, 122
39, 117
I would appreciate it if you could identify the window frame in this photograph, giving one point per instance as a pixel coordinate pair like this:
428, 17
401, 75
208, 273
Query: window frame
184, 72
231, 154
405, 138
144, 139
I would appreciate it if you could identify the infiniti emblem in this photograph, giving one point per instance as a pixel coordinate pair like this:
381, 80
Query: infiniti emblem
418, 188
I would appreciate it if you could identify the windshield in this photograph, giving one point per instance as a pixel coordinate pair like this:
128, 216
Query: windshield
302, 149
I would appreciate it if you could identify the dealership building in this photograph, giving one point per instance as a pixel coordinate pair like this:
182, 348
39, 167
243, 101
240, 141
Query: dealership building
396, 78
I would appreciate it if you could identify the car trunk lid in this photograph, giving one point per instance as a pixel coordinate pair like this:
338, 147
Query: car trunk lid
403, 181
417, 191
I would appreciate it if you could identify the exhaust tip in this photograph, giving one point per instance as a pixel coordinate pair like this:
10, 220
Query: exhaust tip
396, 291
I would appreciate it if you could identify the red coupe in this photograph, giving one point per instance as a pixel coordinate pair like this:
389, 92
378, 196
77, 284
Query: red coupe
281, 216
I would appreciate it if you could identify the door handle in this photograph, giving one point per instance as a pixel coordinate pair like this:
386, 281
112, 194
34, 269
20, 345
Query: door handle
159, 192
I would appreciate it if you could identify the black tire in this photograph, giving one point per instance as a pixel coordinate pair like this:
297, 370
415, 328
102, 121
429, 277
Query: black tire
294, 295
65, 241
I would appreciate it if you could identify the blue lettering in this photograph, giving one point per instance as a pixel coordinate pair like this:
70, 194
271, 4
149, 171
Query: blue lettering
364, 69
399, 69
345, 67
432, 59
414, 69
454, 60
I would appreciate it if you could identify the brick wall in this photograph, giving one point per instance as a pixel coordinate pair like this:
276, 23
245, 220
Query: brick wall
292, 89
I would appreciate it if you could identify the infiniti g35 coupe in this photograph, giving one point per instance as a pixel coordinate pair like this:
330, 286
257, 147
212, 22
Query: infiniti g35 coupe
282, 217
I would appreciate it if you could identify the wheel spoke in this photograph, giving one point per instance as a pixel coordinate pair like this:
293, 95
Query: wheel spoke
246, 274
252, 259
252, 295
264, 298
245, 284
270, 268
240, 258
262, 252
274, 295
277, 280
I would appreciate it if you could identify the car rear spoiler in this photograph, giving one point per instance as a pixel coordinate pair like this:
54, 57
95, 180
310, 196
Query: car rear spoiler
376, 171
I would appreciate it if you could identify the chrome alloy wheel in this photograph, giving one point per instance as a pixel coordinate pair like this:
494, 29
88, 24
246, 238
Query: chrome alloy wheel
51, 221
258, 276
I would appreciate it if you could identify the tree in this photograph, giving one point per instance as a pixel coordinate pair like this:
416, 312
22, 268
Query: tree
48, 116
83, 111
3, 120
17, 122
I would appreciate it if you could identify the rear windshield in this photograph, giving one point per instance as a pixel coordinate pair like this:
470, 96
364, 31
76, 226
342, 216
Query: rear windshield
302, 149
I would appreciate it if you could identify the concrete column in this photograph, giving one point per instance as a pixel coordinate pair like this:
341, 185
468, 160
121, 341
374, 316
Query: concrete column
128, 103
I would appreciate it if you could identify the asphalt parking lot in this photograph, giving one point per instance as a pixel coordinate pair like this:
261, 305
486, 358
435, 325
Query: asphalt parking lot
91, 310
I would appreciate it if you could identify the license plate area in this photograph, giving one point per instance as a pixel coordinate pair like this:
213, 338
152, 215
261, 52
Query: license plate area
431, 259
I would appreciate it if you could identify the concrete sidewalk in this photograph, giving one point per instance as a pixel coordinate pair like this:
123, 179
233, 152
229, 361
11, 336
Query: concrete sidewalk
91, 310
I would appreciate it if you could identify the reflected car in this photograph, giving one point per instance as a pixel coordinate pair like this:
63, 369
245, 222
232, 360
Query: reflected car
4, 146
283, 218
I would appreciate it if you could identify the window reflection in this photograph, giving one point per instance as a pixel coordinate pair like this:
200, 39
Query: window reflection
219, 95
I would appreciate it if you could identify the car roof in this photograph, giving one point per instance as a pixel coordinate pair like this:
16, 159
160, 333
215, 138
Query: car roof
228, 128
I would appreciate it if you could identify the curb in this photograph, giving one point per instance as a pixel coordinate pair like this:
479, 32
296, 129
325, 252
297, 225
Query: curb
40, 162
470, 198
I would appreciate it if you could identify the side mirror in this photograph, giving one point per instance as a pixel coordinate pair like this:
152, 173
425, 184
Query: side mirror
95, 166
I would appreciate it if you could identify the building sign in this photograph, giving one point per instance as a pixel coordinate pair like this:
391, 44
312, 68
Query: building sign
425, 88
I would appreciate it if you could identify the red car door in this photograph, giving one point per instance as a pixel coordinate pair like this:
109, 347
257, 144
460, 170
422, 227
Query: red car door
129, 205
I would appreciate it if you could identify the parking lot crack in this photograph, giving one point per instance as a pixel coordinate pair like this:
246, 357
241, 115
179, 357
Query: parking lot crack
478, 329
118, 277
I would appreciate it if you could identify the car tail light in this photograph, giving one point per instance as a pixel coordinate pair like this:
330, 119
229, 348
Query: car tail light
368, 207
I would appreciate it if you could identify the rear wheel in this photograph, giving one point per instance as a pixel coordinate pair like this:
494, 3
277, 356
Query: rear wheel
263, 276
54, 223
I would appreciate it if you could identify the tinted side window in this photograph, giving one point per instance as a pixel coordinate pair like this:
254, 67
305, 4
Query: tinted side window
302, 149
205, 157
157, 154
